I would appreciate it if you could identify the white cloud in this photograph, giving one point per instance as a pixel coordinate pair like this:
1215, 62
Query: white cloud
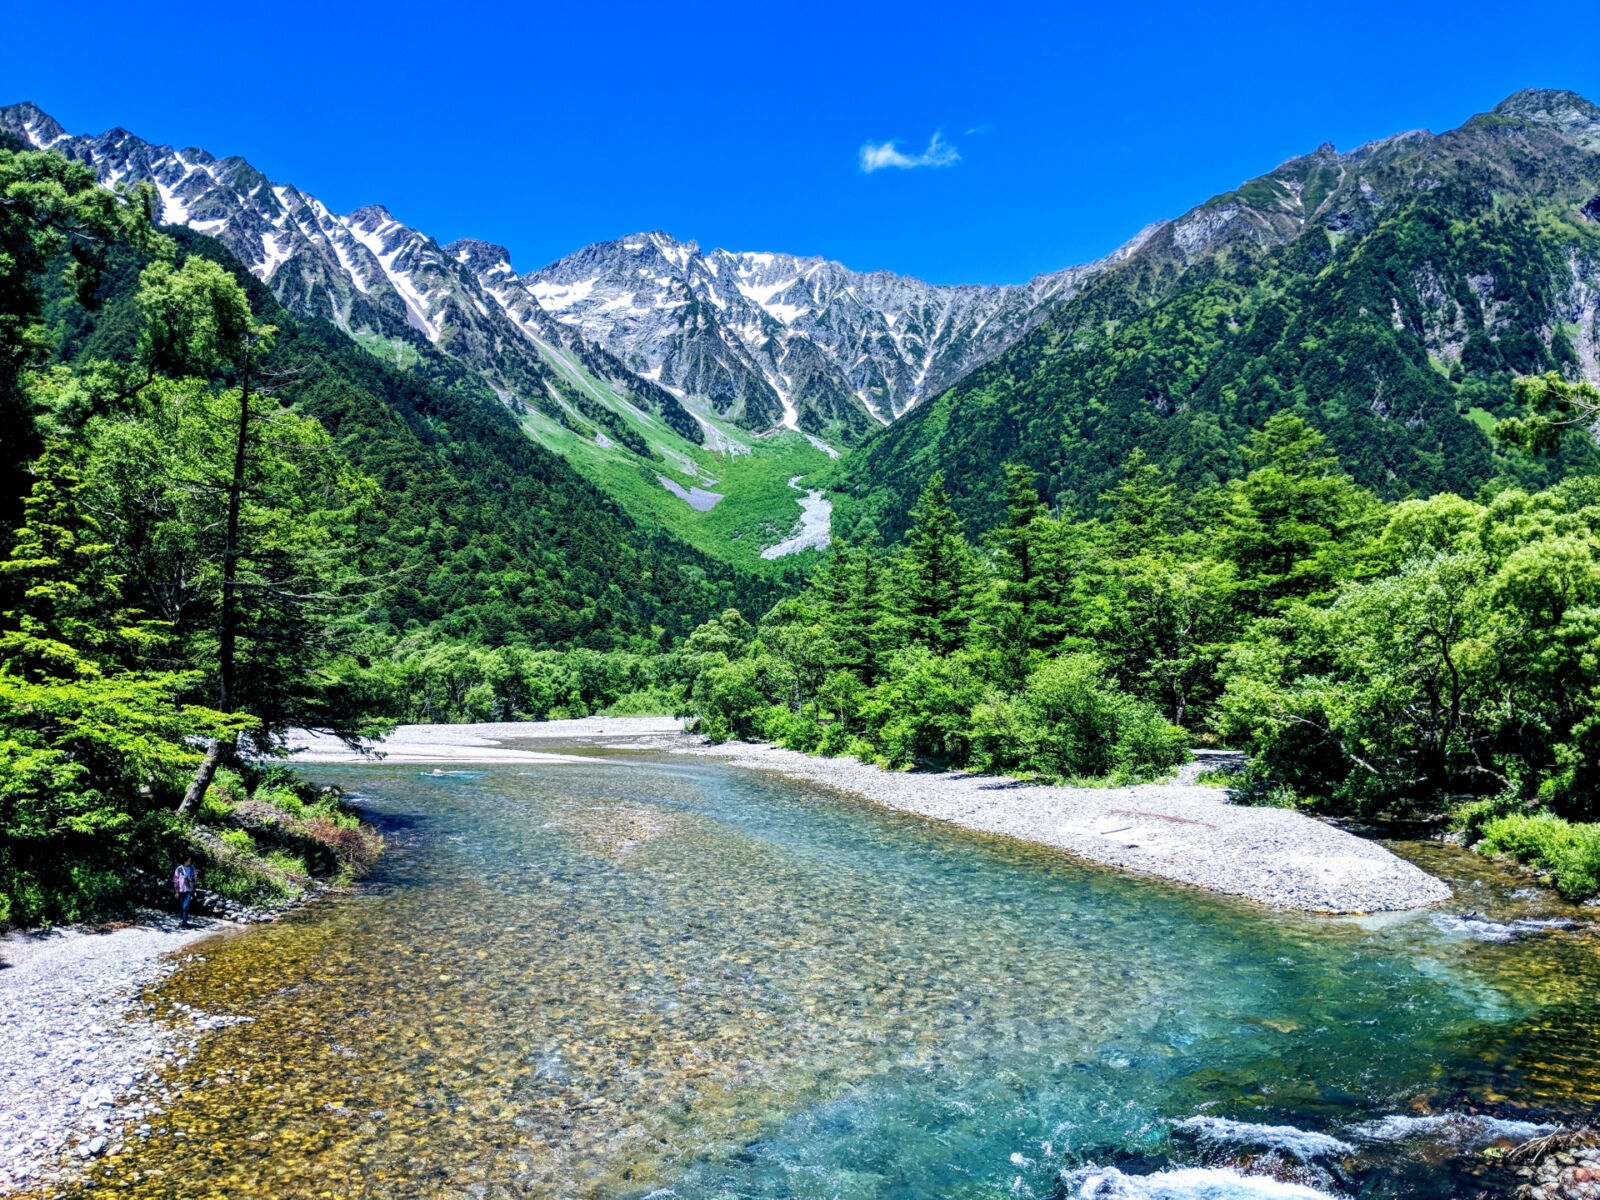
876, 156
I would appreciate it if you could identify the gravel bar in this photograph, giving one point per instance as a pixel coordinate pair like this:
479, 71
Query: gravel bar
1185, 833
485, 742
80, 1057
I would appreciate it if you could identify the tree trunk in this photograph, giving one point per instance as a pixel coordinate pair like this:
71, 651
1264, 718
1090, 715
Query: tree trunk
219, 749
228, 625
227, 639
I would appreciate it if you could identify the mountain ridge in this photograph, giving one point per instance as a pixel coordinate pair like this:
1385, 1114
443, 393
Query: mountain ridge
802, 342
888, 340
1391, 294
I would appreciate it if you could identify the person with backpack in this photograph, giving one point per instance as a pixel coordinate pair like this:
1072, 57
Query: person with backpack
183, 885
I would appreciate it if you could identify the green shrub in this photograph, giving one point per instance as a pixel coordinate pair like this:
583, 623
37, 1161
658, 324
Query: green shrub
836, 740
239, 841
797, 731
1148, 745
289, 864
227, 787
649, 702
1254, 787
281, 797
1074, 714
1472, 817
94, 890
1073, 722
242, 884
330, 811
1569, 851
923, 709
860, 748
213, 808
735, 699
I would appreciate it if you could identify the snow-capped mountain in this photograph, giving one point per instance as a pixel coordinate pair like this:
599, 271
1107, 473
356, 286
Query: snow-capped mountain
762, 339
778, 334
376, 278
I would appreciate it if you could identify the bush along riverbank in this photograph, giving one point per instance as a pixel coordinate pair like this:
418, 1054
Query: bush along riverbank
262, 840
1564, 854
268, 838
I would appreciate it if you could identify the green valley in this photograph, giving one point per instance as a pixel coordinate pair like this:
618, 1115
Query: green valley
748, 473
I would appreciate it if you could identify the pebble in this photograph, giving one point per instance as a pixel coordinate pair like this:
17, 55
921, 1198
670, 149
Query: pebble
1570, 1174
80, 1052
1185, 833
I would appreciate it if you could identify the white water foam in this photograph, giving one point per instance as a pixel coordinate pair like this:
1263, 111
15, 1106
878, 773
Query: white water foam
1486, 930
1301, 1143
1459, 1129
1183, 1183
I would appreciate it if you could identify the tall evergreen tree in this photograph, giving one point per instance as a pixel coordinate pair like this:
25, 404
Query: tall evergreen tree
935, 573
851, 592
1296, 522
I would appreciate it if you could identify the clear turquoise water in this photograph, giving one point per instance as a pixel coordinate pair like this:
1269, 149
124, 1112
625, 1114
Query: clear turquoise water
654, 975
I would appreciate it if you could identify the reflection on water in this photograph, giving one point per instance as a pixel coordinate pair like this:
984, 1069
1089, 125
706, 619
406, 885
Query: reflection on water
637, 975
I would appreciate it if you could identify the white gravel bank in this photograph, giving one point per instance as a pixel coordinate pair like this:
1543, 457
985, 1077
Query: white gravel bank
485, 743
79, 1060
1188, 834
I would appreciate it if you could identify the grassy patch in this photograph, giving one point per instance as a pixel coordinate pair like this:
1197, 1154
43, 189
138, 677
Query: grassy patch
396, 352
272, 836
758, 507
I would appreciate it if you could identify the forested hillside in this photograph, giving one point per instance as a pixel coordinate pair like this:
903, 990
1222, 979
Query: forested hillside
1431, 657
480, 532
1390, 296
222, 521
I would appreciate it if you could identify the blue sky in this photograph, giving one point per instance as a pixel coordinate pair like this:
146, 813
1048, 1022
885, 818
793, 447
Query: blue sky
1003, 139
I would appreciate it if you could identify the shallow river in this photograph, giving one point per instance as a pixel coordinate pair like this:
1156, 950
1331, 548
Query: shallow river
653, 975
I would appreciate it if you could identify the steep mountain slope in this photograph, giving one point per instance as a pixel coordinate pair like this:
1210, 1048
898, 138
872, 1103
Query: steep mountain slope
1390, 293
646, 363
366, 272
408, 300
771, 337
478, 532
763, 340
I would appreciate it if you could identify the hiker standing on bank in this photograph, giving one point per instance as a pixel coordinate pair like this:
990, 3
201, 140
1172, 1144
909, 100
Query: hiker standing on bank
183, 882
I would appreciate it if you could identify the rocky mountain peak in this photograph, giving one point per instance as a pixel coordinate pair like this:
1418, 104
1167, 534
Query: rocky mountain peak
481, 258
1568, 112
371, 216
32, 124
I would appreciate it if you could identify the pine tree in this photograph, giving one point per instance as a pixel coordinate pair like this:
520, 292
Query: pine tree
1294, 525
936, 573
852, 600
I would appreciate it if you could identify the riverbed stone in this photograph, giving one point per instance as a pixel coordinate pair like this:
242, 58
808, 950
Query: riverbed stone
1187, 834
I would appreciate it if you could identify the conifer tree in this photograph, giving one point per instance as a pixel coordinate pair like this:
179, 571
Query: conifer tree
936, 573
1295, 523
851, 594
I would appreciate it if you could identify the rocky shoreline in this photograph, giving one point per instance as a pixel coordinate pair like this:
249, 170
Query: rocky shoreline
81, 1058
1180, 832
1566, 1167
